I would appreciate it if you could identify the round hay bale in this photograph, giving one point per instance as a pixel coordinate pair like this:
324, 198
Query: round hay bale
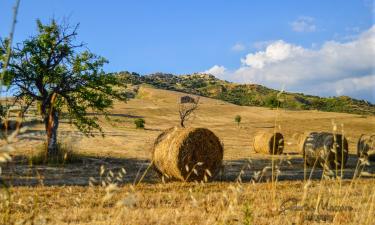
300, 139
321, 147
187, 154
269, 143
366, 147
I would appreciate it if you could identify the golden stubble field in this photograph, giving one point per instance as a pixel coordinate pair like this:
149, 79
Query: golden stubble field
241, 194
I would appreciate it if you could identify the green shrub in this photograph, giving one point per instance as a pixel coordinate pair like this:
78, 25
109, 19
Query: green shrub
237, 119
139, 123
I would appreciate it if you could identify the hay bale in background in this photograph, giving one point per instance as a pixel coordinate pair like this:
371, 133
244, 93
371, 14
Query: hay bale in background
187, 153
269, 142
300, 139
366, 147
321, 147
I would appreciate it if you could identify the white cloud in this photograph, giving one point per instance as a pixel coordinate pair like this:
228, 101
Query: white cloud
238, 47
217, 71
275, 52
352, 85
335, 68
304, 24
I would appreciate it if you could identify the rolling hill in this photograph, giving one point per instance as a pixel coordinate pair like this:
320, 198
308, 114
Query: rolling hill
248, 94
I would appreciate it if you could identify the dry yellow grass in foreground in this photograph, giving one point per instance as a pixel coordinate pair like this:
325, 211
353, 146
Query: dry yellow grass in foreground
213, 203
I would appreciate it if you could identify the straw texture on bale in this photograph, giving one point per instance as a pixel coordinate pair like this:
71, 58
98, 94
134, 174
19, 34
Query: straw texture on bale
187, 154
366, 147
269, 143
326, 149
300, 139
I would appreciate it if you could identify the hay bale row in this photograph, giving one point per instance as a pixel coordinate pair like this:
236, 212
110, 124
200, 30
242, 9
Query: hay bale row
269, 143
366, 147
326, 149
187, 154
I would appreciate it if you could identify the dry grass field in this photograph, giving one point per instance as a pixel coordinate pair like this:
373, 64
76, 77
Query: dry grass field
84, 192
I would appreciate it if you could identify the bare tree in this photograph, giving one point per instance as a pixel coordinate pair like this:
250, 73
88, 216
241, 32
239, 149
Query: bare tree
186, 109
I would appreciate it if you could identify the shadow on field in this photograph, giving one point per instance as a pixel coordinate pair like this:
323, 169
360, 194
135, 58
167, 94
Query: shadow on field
116, 115
289, 169
20, 173
41, 134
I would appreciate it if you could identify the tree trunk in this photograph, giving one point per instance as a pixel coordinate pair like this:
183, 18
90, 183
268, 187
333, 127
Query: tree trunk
52, 123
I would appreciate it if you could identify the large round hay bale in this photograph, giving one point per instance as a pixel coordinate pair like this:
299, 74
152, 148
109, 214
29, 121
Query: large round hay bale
326, 149
366, 147
187, 154
300, 139
269, 143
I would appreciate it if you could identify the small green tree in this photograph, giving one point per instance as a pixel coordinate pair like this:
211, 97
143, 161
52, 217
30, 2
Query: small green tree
272, 101
52, 69
237, 119
139, 123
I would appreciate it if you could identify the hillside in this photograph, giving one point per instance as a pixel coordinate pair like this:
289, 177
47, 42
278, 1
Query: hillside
248, 94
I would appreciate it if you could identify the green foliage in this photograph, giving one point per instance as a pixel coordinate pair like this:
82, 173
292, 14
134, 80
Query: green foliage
271, 101
51, 63
237, 119
248, 94
139, 123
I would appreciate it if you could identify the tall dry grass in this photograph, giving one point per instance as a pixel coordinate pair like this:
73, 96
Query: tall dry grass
7, 139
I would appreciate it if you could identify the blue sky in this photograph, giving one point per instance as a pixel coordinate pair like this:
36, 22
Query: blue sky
227, 38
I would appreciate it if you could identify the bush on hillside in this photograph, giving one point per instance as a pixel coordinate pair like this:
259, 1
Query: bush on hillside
139, 123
